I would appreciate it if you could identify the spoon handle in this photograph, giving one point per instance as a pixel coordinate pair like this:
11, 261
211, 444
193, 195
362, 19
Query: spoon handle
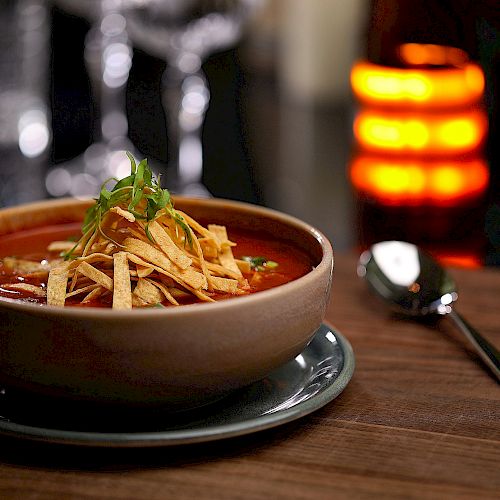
488, 353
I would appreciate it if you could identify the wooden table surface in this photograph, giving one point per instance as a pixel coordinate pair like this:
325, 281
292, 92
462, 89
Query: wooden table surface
419, 419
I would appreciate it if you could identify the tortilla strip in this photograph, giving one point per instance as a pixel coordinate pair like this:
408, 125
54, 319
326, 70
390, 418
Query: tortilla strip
244, 266
199, 294
225, 285
202, 263
226, 257
99, 247
196, 246
94, 257
143, 271
103, 246
137, 234
61, 246
96, 292
221, 235
76, 280
165, 291
154, 256
122, 290
123, 213
218, 269
199, 228
82, 281
24, 266
194, 291
178, 293
138, 302
95, 275
168, 247
83, 289
147, 292
169, 276
209, 249
26, 287
147, 252
56, 285
168, 282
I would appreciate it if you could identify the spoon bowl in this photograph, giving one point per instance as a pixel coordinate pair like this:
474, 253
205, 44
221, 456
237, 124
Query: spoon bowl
414, 283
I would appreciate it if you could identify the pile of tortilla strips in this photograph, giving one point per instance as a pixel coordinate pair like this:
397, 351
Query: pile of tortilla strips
144, 264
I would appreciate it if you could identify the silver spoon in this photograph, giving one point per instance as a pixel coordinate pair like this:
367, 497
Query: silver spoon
414, 282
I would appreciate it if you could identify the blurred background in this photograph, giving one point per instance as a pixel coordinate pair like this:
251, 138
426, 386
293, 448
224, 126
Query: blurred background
370, 119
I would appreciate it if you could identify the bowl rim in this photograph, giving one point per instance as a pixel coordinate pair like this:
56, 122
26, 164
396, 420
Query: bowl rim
326, 262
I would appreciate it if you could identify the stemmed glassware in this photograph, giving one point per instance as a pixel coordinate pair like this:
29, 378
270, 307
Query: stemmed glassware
108, 57
184, 33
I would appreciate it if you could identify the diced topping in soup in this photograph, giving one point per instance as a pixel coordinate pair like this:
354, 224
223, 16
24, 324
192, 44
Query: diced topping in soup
136, 250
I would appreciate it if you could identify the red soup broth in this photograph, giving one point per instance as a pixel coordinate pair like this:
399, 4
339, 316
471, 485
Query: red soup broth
32, 245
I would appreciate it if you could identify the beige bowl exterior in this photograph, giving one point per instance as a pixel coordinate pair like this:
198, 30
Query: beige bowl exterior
178, 357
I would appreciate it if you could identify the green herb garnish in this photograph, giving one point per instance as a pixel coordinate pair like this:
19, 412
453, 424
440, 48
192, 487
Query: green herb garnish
260, 263
140, 193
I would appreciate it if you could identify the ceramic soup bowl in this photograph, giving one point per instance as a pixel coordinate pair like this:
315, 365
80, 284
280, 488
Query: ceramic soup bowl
175, 357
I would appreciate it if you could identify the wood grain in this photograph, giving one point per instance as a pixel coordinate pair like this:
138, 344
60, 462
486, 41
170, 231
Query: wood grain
420, 419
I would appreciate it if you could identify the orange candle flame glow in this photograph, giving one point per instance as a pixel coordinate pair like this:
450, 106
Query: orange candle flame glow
429, 54
407, 182
434, 134
436, 87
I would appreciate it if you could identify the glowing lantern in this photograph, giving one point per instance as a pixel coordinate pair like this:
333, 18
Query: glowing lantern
424, 118
419, 134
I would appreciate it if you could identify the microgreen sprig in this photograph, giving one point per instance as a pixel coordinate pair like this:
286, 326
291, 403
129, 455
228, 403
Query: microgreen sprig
130, 191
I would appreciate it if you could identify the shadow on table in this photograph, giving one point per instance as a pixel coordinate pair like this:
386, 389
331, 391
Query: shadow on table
43, 455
